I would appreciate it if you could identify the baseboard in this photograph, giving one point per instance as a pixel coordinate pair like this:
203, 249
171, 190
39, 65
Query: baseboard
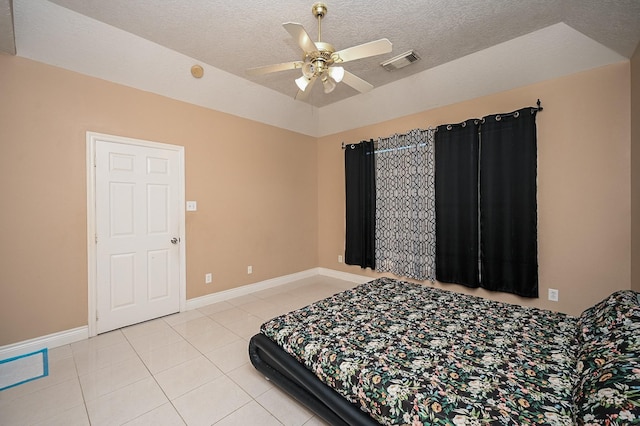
49, 341
77, 334
244, 290
345, 276
221, 296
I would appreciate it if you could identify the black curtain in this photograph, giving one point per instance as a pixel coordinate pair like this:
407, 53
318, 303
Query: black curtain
456, 182
360, 169
508, 209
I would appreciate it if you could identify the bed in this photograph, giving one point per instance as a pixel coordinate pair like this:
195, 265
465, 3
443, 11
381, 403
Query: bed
392, 352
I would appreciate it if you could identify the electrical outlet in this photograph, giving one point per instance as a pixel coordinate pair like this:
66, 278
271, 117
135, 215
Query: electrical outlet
249, 269
339, 258
553, 294
208, 278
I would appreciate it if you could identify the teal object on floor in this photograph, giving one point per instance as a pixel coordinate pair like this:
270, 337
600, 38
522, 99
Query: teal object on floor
23, 368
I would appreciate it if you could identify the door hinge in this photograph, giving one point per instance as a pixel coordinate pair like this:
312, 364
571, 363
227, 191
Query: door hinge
96, 238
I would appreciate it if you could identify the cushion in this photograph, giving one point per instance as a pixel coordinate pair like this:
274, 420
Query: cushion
607, 390
610, 393
622, 306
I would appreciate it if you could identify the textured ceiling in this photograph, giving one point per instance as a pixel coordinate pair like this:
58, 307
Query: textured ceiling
235, 35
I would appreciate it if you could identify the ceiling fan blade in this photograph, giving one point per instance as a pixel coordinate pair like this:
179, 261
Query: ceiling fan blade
304, 94
300, 35
275, 68
356, 82
365, 50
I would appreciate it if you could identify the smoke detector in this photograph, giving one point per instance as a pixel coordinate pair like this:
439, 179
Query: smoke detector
400, 61
197, 71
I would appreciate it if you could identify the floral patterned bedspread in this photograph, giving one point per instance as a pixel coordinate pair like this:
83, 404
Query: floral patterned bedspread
608, 362
412, 354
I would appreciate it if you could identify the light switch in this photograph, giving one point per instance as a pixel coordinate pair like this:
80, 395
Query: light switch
192, 206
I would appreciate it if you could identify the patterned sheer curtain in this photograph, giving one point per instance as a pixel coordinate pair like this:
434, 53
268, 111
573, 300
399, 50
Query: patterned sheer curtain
405, 205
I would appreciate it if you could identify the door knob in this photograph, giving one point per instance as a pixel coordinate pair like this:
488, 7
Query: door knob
175, 240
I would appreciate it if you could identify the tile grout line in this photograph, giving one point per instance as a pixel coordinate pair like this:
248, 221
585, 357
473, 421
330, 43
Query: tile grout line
155, 380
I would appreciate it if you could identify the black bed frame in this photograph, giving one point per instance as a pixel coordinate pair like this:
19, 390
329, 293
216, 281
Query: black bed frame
295, 379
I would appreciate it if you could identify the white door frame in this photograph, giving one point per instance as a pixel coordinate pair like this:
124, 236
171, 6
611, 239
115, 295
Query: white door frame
92, 138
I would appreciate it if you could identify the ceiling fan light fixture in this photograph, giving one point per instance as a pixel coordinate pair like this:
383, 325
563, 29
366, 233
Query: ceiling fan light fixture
328, 83
336, 73
302, 82
308, 69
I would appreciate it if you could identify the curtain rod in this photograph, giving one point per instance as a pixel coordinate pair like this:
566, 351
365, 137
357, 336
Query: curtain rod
537, 108
375, 143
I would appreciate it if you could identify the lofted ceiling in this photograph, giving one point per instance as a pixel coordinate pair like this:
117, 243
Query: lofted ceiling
228, 37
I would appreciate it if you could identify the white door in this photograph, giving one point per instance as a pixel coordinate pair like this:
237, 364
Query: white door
137, 222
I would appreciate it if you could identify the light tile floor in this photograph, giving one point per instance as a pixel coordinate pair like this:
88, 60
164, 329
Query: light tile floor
189, 368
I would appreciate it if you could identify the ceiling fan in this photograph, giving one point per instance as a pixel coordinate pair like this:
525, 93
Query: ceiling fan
319, 59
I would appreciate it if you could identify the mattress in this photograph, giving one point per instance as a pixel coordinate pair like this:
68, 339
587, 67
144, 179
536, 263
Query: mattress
394, 352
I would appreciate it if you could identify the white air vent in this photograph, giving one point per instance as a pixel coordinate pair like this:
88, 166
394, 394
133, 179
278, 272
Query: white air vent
400, 61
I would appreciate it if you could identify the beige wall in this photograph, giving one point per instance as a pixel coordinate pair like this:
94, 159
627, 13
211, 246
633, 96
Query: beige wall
255, 186
274, 199
583, 183
635, 170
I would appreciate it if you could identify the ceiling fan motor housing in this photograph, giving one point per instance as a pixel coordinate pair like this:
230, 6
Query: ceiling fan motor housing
318, 61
